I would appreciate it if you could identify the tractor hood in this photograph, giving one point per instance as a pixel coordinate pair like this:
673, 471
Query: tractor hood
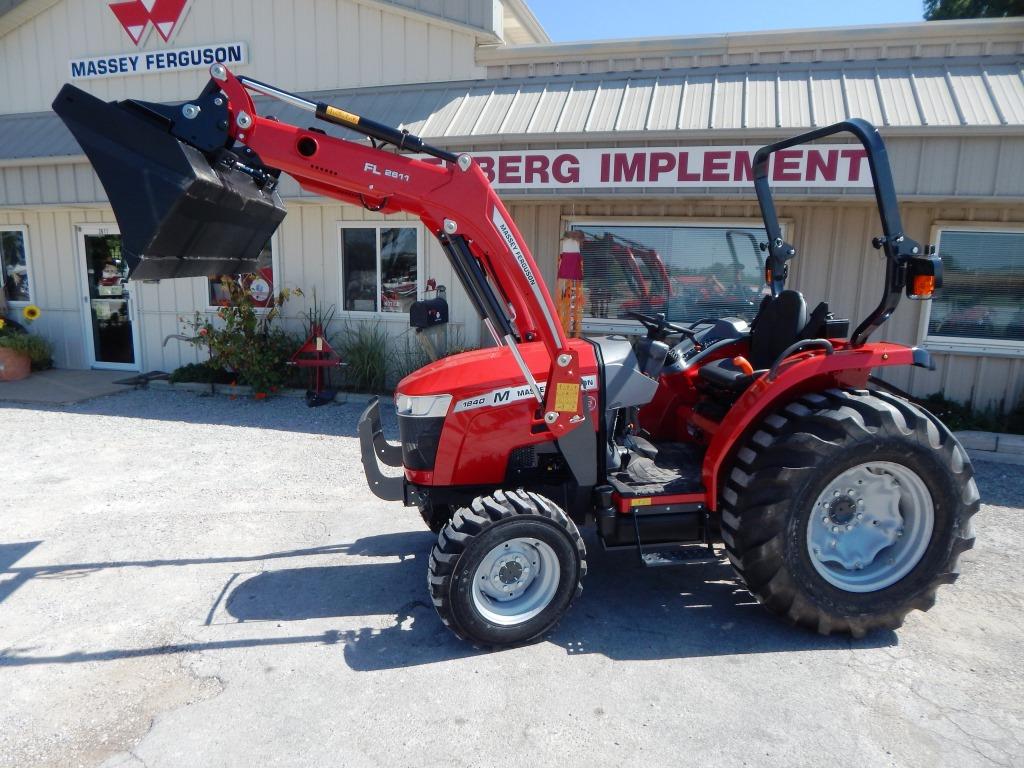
489, 377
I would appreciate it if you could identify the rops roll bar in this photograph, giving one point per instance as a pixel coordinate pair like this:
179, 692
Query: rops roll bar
907, 265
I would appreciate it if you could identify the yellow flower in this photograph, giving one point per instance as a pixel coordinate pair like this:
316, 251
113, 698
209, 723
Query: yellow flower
2, 323
31, 312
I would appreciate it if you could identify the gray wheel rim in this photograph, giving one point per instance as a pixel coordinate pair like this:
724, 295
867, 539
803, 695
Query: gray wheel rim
515, 581
870, 526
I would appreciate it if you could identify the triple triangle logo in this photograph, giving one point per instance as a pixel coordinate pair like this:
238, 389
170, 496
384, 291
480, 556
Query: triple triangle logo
136, 15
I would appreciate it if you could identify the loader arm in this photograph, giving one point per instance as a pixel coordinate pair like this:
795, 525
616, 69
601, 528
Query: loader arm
454, 200
449, 193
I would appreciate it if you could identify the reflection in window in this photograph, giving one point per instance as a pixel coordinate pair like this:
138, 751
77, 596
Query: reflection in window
379, 267
983, 282
687, 272
359, 269
398, 269
14, 265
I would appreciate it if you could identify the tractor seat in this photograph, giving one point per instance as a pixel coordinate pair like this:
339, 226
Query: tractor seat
779, 323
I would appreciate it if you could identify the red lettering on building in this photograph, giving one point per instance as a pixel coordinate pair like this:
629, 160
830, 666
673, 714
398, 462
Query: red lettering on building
856, 157
486, 165
685, 174
716, 166
661, 162
787, 165
743, 168
566, 169
536, 171
509, 168
817, 163
630, 167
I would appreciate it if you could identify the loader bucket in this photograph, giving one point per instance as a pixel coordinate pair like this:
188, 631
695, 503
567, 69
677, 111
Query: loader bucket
179, 215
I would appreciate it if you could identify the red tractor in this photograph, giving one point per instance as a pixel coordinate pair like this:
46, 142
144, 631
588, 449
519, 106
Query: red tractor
841, 505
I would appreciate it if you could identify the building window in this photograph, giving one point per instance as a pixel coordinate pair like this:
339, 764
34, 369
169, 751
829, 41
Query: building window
260, 284
14, 269
380, 268
688, 272
979, 304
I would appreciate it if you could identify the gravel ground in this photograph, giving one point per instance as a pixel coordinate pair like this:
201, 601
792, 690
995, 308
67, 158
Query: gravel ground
194, 580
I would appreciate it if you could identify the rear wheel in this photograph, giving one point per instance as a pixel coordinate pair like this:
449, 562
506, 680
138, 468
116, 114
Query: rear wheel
506, 568
848, 509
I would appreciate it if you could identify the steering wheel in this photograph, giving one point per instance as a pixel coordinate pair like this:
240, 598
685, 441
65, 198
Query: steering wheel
658, 327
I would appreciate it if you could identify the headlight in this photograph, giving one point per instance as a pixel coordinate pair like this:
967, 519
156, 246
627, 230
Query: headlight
423, 406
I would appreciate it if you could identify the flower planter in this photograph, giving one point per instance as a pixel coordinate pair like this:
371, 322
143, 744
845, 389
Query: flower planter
14, 366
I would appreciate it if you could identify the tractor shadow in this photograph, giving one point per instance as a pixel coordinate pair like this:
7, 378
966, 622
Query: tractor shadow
626, 612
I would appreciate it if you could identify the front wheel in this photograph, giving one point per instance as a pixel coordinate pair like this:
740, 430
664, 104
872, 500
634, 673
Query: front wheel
848, 509
506, 568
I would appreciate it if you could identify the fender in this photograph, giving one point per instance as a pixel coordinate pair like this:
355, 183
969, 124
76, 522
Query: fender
811, 371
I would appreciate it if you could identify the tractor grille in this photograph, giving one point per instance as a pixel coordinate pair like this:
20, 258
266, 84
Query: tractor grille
420, 437
522, 458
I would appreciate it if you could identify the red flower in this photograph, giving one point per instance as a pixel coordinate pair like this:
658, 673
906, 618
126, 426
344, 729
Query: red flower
260, 396
203, 331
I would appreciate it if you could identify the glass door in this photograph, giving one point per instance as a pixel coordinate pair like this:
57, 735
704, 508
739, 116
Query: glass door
110, 330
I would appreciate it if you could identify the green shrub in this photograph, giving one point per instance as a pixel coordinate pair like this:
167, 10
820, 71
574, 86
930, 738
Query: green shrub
959, 416
406, 356
200, 373
243, 339
364, 349
38, 349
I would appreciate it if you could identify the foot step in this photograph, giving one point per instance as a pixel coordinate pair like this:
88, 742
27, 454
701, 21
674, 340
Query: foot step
686, 554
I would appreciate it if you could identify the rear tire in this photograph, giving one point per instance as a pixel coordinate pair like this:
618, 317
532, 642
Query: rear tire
506, 568
846, 510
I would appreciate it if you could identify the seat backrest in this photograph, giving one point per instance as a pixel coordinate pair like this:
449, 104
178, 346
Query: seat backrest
779, 323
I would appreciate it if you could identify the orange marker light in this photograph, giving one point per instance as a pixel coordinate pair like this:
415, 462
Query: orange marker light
743, 364
922, 286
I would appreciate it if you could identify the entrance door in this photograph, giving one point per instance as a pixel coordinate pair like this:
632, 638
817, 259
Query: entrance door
110, 331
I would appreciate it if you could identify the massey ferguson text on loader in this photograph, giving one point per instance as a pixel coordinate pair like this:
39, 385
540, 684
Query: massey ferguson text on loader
841, 505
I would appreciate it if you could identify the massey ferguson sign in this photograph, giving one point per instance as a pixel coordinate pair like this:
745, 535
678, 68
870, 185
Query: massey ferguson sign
826, 165
139, 19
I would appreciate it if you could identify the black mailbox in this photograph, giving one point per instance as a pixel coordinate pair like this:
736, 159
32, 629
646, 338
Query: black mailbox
428, 313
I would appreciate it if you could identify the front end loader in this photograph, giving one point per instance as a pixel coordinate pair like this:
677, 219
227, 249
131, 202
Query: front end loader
841, 504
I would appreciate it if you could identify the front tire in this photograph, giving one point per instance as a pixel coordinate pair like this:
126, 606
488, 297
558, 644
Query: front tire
506, 568
436, 516
846, 510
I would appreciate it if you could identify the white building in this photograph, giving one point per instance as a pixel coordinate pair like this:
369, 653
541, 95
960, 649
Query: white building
641, 143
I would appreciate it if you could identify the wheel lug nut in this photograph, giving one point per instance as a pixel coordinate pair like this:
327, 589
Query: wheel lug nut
860, 515
849, 527
835, 529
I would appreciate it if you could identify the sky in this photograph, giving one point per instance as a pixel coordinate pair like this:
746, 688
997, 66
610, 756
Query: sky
567, 20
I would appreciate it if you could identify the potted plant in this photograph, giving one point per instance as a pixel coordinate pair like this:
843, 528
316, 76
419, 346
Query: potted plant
22, 352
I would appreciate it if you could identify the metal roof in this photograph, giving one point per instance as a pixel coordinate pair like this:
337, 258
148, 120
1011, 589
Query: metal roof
675, 104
